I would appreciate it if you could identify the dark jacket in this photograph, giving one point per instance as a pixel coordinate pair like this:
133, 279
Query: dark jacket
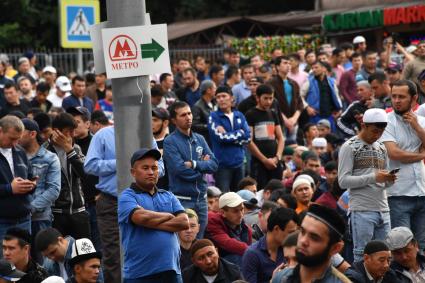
201, 111
35, 103
73, 101
296, 103
23, 107
14, 206
70, 199
227, 273
357, 274
401, 270
347, 124
34, 274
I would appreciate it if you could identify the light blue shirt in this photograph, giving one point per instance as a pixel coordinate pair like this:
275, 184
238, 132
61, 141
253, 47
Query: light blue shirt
240, 92
101, 160
411, 178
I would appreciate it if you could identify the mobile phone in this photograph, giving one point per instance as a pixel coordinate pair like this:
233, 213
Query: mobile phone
394, 171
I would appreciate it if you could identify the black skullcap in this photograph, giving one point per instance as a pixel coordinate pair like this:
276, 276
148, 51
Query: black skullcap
375, 246
225, 89
200, 244
327, 216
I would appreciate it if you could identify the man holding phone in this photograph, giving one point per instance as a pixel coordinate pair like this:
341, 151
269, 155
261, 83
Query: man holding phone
363, 164
16, 185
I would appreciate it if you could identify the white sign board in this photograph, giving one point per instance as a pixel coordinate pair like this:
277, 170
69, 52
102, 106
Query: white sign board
136, 51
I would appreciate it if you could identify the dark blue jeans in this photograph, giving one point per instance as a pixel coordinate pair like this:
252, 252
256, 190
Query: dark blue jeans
94, 230
409, 212
227, 179
5, 224
201, 208
162, 277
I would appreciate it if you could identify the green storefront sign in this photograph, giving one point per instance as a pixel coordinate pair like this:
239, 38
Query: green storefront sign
374, 18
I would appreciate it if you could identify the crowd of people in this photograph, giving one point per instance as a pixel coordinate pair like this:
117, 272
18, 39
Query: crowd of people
308, 167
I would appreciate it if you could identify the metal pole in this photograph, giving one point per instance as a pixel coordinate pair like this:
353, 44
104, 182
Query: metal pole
80, 68
132, 100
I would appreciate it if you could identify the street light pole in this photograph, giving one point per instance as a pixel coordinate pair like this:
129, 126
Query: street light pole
132, 100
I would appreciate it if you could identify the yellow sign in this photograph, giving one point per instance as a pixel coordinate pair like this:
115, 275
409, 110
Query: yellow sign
76, 18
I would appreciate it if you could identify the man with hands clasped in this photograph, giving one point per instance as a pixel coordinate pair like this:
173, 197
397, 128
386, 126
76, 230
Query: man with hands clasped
404, 139
363, 169
16, 180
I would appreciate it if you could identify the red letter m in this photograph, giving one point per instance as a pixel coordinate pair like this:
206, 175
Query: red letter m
123, 51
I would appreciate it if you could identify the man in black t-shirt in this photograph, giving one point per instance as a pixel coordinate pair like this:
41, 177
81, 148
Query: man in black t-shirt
267, 140
160, 122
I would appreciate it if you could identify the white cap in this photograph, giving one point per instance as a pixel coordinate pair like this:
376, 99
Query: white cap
49, 69
411, 48
319, 142
375, 115
63, 83
53, 279
359, 39
230, 199
300, 181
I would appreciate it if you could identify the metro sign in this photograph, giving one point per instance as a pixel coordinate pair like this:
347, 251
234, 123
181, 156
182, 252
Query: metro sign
122, 47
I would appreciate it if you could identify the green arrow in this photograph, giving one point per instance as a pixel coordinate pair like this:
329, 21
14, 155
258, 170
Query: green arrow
151, 50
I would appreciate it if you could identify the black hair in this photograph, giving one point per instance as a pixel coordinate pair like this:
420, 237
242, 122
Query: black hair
281, 217
309, 51
77, 78
157, 90
183, 59
233, 51
231, 71
273, 184
321, 53
43, 87
337, 51
368, 52
346, 45
247, 66
90, 78
355, 55
35, 110
43, 120
176, 105
412, 88
64, 121
164, 76
330, 166
378, 76
289, 199
307, 127
100, 117
291, 240
295, 56
247, 181
267, 206
225, 89
190, 70
279, 60
214, 69
264, 89
45, 238
8, 85
23, 236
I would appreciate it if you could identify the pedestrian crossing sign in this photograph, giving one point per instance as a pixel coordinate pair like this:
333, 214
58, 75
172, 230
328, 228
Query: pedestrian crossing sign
77, 16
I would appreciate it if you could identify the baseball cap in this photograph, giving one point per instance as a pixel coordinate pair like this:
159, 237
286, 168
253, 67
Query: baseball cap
9, 272
30, 125
375, 115
161, 113
79, 110
143, 152
63, 83
324, 123
53, 279
249, 198
49, 69
230, 199
81, 250
213, 191
359, 39
319, 142
394, 67
398, 238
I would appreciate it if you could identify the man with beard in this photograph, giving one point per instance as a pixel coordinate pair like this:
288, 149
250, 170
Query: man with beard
160, 121
320, 238
404, 138
208, 266
190, 92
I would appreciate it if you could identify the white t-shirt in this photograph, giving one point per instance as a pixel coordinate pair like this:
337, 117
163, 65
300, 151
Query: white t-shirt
230, 116
208, 278
7, 153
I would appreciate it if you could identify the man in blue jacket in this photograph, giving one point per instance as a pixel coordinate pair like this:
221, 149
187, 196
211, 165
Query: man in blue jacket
16, 179
78, 97
188, 159
229, 132
321, 95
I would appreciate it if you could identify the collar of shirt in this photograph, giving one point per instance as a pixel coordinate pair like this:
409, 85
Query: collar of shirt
139, 190
370, 276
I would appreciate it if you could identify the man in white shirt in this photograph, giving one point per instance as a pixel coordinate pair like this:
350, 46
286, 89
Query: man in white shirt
63, 88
